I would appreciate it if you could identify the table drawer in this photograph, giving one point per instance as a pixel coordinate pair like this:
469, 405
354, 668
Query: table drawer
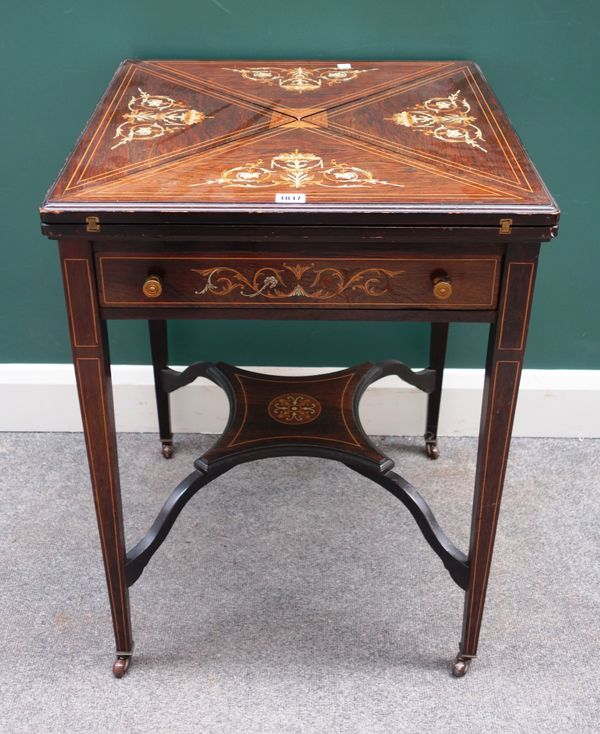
247, 281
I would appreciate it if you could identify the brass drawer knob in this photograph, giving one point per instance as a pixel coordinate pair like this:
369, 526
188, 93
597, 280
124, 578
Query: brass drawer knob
442, 287
152, 287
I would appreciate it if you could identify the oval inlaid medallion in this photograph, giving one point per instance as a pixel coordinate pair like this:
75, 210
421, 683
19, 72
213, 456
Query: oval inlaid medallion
294, 409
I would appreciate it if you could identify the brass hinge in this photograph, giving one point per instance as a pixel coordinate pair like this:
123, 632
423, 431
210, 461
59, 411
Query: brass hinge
92, 224
505, 226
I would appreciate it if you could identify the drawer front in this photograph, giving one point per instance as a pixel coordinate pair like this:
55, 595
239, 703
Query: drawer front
247, 281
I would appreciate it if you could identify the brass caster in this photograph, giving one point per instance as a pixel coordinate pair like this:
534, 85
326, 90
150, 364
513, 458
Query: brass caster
460, 666
432, 450
121, 665
167, 450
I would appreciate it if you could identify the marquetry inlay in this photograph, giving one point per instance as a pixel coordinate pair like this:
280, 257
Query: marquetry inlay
296, 170
302, 281
300, 79
294, 409
152, 116
445, 118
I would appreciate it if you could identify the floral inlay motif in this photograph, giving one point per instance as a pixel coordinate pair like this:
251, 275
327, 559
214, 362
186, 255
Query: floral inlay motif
294, 409
295, 281
300, 79
296, 170
152, 116
445, 118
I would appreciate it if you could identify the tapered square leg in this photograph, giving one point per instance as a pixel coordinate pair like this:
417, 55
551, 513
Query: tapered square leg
437, 359
503, 371
89, 342
160, 359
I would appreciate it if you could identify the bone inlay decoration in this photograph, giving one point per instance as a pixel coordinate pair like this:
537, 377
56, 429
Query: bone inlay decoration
300, 79
152, 116
294, 409
445, 118
295, 281
296, 170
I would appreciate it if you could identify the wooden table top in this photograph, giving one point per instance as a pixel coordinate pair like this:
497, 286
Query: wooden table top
416, 142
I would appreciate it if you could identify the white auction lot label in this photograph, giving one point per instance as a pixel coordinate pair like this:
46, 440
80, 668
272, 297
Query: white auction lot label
344, 66
290, 198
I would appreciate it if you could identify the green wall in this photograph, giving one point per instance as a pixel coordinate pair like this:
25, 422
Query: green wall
541, 58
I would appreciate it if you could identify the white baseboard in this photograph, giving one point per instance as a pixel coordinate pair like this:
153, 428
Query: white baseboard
552, 403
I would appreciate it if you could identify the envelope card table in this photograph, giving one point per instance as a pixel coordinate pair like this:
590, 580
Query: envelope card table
394, 191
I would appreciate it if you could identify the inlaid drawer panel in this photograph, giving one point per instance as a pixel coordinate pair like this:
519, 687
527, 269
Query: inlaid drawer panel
248, 281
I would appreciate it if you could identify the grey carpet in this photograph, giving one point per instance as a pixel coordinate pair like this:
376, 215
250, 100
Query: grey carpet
295, 596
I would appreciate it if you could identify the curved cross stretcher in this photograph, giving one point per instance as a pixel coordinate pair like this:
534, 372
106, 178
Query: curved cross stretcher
272, 416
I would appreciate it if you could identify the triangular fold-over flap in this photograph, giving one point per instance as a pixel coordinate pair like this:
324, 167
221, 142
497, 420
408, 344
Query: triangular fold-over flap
299, 88
313, 163
152, 119
444, 120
